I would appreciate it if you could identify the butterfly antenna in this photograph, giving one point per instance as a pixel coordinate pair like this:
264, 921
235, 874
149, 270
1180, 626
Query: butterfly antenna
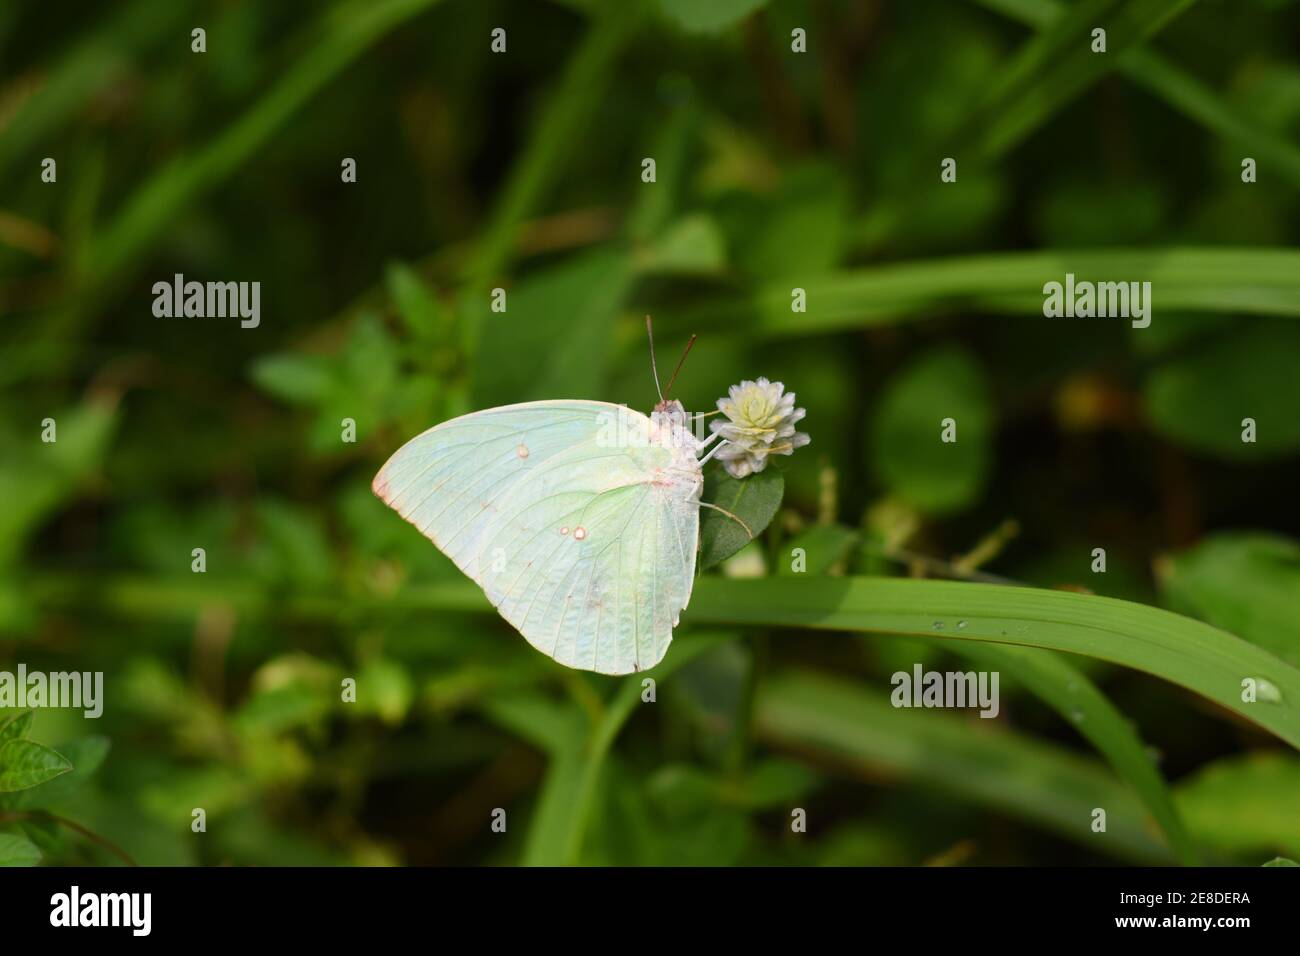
649, 331
680, 361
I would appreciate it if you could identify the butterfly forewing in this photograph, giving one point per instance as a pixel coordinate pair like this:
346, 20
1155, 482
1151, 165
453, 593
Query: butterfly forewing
581, 532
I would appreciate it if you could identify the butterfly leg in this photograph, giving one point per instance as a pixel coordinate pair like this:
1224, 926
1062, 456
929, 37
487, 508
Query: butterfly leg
705, 504
706, 442
705, 459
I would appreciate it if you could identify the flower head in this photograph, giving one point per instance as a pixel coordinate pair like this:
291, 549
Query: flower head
760, 421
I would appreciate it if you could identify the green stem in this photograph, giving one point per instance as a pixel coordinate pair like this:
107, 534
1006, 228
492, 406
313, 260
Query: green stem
44, 816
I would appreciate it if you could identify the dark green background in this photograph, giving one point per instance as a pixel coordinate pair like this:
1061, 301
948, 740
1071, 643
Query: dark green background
522, 170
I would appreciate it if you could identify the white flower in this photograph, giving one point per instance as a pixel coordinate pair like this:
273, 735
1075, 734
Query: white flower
760, 422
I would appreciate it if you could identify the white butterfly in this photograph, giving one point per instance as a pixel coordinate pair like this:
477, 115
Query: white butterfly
580, 520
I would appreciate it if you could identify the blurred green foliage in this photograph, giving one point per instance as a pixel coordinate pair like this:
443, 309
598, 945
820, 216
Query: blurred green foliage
775, 170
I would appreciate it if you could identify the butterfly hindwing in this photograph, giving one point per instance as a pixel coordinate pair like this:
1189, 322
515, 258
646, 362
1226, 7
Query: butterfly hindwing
583, 540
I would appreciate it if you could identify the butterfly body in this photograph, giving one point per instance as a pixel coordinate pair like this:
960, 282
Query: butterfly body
580, 521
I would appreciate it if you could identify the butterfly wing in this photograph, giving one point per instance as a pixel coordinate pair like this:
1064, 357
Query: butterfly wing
579, 524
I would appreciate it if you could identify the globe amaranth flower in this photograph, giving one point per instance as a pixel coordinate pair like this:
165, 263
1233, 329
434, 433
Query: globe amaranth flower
760, 420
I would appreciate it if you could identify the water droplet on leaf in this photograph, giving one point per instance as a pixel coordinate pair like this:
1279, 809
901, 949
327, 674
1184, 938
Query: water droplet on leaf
1266, 690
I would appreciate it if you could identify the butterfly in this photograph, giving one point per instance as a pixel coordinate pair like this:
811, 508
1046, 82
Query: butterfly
580, 520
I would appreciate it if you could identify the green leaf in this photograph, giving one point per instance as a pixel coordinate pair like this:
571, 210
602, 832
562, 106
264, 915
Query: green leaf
1256, 281
1246, 583
417, 307
538, 718
35, 486
337, 38
1201, 398
252, 834
823, 546
1055, 680
17, 850
683, 790
369, 362
1101, 213
1281, 861
813, 204
754, 500
290, 545
1186, 652
710, 697
907, 451
711, 16
561, 126
1194, 655
568, 793
769, 784
171, 797
1177, 88
99, 58
1015, 774
1245, 804
691, 246
16, 727
655, 210
295, 378
1059, 64
553, 339
1228, 121
384, 688
24, 764
646, 823
278, 709
86, 754
934, 217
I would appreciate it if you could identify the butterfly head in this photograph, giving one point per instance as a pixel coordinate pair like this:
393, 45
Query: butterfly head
670, 408
670, 414
674, 425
